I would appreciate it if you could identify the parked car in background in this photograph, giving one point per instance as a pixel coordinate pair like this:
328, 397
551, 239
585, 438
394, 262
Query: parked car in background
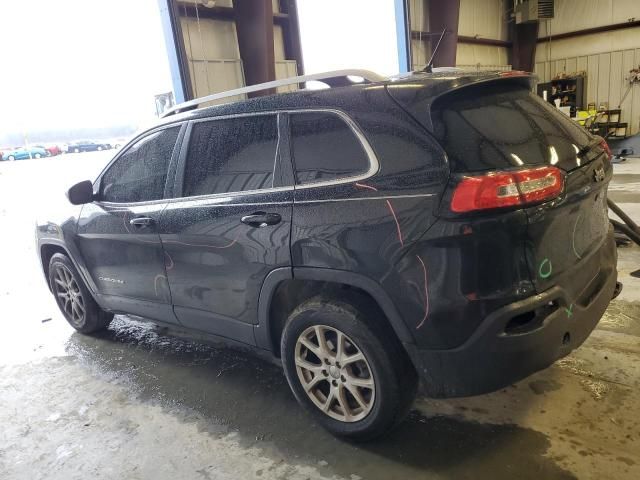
23, 153
118, 142
87, 146
53, 149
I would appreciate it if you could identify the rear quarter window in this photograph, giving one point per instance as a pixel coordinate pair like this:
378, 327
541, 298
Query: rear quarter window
325, 148
497, 127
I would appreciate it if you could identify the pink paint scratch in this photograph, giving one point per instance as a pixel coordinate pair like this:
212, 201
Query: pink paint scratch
362, 185
426, 293
397, 223
391, 210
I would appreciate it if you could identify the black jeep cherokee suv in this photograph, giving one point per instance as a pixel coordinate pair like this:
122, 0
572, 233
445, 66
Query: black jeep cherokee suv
448, 226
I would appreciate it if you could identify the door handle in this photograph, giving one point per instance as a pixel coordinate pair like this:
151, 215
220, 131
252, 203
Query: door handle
141, 222
261, 219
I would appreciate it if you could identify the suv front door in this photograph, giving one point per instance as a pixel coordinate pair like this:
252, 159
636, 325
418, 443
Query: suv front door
232, 224
117, 234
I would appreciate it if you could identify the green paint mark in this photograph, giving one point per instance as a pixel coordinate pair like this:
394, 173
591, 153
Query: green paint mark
569, 311
545, 271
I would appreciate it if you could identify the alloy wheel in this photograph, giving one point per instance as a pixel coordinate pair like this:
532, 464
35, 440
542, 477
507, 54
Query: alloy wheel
69, 295
334, 373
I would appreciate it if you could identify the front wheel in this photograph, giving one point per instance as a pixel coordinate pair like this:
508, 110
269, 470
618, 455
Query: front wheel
37, 155
73, 298
76, 150
346, 367
99, 149
11, 158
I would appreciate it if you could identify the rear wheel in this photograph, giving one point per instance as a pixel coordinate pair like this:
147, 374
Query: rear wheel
73, 298
76, 150
99, 149
37, 155
346, 368
11, 158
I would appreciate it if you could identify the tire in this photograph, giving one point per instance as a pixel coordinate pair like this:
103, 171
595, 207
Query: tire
385, 366
11, 158
69, 288
37, 155
99, 149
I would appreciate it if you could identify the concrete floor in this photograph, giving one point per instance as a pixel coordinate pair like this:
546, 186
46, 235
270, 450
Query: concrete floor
135, 402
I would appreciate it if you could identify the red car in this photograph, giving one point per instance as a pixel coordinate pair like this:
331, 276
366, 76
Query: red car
53, 150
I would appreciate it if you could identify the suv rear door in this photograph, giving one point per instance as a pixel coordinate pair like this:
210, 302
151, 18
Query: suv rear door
117, 234
230, 223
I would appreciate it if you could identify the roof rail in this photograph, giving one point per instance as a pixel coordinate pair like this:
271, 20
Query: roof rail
368, 76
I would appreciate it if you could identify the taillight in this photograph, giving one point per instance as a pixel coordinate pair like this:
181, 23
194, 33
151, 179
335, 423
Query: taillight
606, 148
507, 189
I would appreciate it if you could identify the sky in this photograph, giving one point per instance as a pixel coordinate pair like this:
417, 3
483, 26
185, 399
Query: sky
80, 63
66, 64
338, 34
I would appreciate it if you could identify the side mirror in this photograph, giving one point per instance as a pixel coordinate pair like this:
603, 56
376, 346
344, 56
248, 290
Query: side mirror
81, 193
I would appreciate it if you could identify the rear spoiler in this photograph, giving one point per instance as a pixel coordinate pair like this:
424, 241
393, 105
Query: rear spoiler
418, 93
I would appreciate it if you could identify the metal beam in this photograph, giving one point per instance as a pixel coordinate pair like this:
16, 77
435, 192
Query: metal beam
254, 26
492, 42
591, 31
188, 9
444, 15
174, 44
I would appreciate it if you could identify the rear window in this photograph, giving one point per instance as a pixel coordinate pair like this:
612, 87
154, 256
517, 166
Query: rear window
493, 127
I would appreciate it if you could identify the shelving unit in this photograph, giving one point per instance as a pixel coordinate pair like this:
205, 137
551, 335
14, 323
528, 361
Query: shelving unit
570, 90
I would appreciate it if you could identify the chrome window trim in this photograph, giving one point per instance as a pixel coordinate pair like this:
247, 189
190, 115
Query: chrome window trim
374, 164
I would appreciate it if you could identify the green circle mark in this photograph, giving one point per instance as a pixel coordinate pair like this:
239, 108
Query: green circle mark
545, 272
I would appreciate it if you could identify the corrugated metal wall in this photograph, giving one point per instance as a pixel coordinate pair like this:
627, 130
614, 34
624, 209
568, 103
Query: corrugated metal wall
482, 18
214, 57
606, 79
574, 15
606, 57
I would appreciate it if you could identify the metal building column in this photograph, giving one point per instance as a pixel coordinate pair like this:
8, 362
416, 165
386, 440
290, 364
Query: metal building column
254, 25
524, 38
291, 31
403, 35
174, 43
444, 14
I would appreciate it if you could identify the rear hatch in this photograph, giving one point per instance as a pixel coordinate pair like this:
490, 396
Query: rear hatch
500, 126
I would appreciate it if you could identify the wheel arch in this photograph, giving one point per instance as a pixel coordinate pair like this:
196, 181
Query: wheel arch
48, 249
285, 288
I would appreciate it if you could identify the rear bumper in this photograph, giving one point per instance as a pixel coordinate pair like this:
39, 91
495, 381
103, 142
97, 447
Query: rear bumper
523, 337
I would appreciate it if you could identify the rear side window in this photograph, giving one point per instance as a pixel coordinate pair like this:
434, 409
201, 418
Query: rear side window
493, 127
325, 148
231, 155
140, 173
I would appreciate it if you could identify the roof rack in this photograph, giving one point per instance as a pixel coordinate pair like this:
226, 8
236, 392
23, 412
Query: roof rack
338, 77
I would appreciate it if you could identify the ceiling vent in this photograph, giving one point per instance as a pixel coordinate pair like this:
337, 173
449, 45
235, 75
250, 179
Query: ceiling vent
533, 10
